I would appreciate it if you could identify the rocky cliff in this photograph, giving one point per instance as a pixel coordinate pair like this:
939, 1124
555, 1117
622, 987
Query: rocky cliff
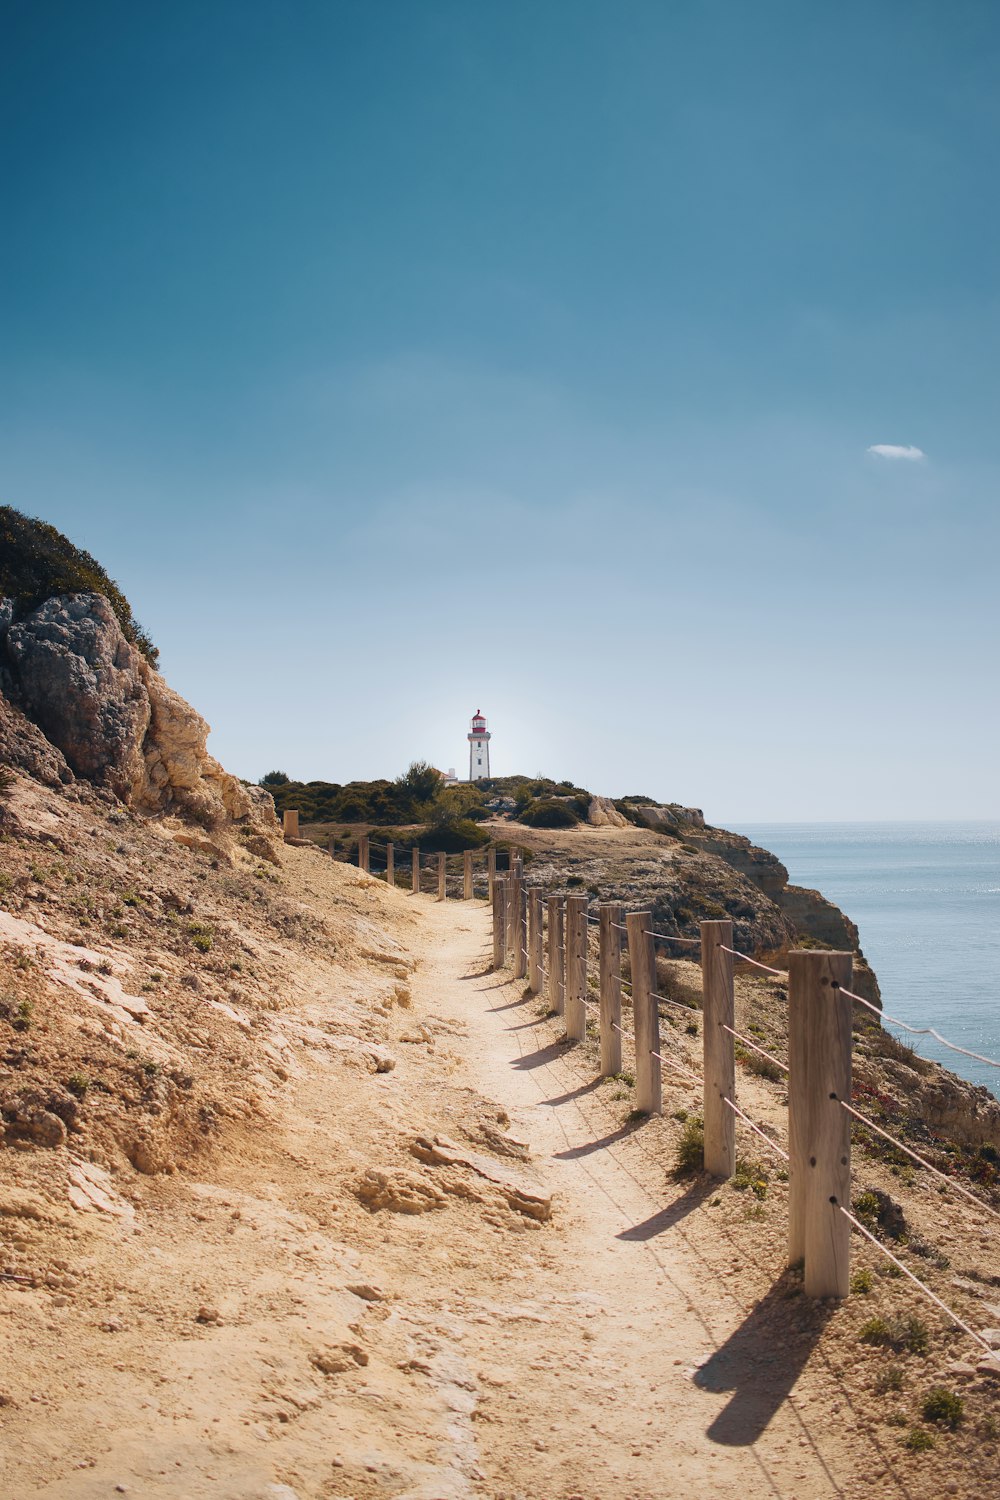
80, 706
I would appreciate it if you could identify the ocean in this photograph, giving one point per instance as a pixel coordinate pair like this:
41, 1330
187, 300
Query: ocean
926, 900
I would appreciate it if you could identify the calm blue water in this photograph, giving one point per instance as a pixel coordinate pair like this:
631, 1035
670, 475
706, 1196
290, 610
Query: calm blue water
926, 899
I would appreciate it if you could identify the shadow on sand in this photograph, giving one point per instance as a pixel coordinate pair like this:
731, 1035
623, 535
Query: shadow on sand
761, 1361
692, 1197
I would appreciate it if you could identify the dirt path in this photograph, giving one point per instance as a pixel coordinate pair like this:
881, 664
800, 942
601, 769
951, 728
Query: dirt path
279, 1331
613, 1393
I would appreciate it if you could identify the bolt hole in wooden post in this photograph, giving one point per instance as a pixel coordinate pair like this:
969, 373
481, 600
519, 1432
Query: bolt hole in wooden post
576, 968
642, 959
819, 1130
612, 920
556, 990
719, 1052
290, 823
499, 921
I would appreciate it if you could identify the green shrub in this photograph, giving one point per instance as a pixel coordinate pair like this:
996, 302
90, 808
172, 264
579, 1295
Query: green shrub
750, 1174
549, 812
862, 1282
78, 1084
690, 1149
917, 1440
944, 1407
890, 1379
910, 1333
38, 562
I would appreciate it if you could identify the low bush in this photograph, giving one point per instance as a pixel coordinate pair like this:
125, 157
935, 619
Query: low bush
944, 1407
690, 1157
549, 812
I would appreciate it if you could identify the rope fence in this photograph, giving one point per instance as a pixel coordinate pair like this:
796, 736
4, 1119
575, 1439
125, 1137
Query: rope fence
817, 1072
546, 939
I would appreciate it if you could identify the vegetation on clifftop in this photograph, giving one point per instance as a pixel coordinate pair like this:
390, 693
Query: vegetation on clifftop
37, 563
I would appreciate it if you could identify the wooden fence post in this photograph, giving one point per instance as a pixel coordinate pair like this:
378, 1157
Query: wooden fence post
576, 968
819, 1130
331, 847
612, 917
415, 867
718, 1044
491, 869
390, 864
511, 876
363, 852
442, 876
519, 936
646, 1013
499, 921
467, 875
556, 995
535, 939
290, 823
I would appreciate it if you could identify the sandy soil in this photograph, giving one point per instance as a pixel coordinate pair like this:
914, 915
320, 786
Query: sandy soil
454, 1267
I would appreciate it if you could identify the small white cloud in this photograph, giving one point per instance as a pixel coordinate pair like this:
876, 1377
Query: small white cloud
894, 450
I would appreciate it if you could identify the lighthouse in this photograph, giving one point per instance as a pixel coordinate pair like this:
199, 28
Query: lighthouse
479, 749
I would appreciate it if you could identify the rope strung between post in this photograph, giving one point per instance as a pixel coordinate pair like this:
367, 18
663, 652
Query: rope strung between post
678, 1067
922, 1285
743, 957
920, 1030
756, 1129
748, 1043
688, 1010
659, 1056
919, 1159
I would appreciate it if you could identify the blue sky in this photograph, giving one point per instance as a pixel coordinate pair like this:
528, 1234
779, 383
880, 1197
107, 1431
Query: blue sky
401, 359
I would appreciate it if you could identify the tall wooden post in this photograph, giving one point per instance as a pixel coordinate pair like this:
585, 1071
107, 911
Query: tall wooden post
499, 921
511, 876
363, 852
612, 917
415, 866
442, 876
576, 968
819, 1130
535, 939
467, 874
519, 936
290, 823
331, 848
491, 868
646, 1011
390, 864
556, 986
719, 1050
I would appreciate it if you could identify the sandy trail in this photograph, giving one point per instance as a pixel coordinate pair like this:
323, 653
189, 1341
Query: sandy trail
637, 1299
261, 1335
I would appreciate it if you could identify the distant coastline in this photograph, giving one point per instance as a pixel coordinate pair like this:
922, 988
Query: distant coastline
926, 898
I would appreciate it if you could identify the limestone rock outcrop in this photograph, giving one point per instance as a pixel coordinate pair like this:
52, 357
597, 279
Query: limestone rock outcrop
78, 700
603, 813
80, 681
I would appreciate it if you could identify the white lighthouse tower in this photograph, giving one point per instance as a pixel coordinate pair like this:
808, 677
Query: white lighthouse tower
479, 749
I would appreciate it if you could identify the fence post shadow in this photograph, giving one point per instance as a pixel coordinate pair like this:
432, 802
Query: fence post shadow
761, 1360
